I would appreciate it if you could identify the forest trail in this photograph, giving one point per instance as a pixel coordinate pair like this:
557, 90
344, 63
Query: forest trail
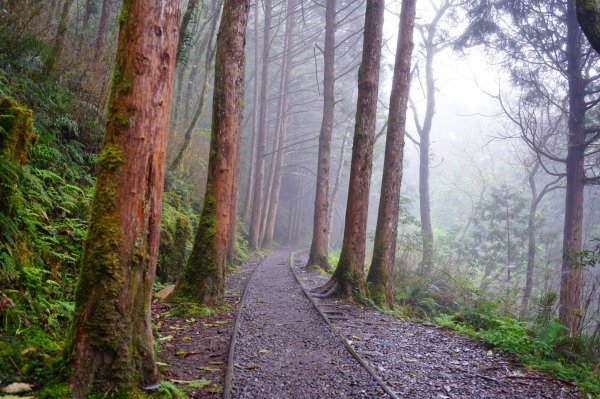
285, 350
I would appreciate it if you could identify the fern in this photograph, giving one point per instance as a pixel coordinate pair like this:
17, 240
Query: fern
545, 309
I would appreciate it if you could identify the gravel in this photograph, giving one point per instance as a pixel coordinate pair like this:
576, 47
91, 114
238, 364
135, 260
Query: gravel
424, 361
285, 350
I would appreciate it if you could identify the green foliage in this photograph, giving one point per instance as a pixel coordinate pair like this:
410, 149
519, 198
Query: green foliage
48, 141
168, 390
544, 346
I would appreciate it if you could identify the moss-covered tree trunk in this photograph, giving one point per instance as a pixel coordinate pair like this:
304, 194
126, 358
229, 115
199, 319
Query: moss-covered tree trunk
384, 253
588, 16
320, 246
349, 274
204, 275
111, 347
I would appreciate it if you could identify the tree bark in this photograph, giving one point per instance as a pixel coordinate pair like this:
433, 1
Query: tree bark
259, 173
384, 252
111, 346
320, 246
588, 16
53, 61
203, 279
185, 22
349, 274
571, 287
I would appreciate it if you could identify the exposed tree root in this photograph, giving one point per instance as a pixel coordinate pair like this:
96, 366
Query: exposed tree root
332, 291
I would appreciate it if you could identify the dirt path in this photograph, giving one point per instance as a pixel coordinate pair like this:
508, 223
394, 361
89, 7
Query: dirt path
194, 347
423, 361
285, 350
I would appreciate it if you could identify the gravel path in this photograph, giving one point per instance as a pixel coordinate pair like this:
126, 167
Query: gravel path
424, 361
285, 350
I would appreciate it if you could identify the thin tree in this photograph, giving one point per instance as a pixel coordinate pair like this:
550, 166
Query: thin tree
102, 34
204, 275
433, 42
111, 347
281, 125
208, 70
53, 60
246, 212
384, 251
259, 171
319, 247
349, 274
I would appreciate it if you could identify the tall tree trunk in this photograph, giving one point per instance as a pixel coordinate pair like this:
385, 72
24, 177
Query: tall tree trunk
530, 241
349, 274
282, 121
259, 173
184, 35
53, 61
336, 188
102, 34
386, 232
424, 141
319, 247
204, 276
111, 345
571, 286
251, 163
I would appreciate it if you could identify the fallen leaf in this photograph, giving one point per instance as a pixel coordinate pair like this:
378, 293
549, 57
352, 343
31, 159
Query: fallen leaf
162, 364
215, 389
28, 350
190, 320
251, 366
215, 363
165, 339
356, 338
187, 339
264, 351
17, 387
211, 369
199, 384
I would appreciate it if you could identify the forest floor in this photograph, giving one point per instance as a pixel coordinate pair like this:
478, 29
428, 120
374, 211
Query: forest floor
194, 341
284, 348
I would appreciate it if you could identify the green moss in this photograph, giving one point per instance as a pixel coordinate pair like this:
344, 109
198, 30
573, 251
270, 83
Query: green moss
55, 391
16, 130
202, 275
111, 158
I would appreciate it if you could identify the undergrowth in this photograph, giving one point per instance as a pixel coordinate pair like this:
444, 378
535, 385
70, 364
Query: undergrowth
540, 343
